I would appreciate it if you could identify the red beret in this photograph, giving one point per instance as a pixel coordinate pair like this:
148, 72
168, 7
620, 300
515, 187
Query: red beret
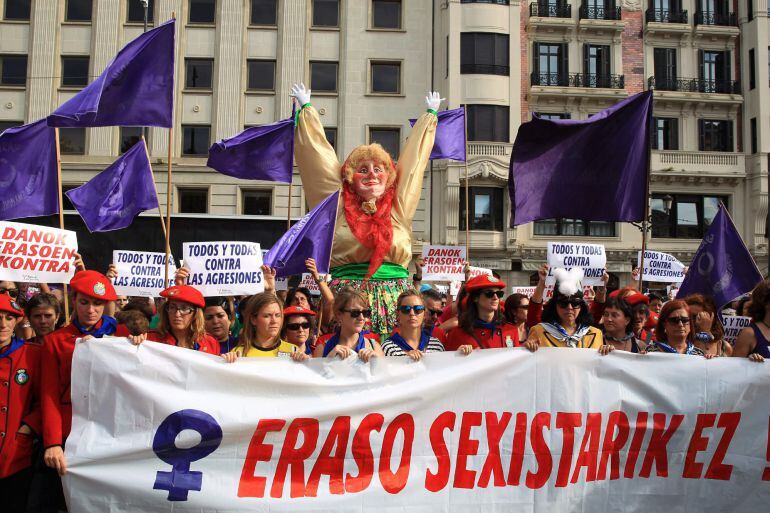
484, 281
94, 285
9, 305
184, 293
652, 321
636, 298
297, 310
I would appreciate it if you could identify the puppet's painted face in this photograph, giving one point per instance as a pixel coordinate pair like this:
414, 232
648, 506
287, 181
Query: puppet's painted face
370, 180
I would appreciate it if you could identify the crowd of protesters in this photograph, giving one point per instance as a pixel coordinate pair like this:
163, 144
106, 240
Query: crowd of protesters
37, 341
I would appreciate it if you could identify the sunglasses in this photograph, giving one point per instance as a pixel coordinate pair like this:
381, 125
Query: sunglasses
181, 309
492, 293
678, 320
435, 312
296, 326
14, 293
355, 313
405, 309
574, 302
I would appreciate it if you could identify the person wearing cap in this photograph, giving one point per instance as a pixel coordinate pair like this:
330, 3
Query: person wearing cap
411, 338
181, 321
566, 319
19, 403
352, 311
91, 294
535, 308
218, 318
481, 323
298, 328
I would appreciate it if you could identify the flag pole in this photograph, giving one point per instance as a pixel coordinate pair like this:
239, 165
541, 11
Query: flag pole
467, 201
155, 187
61, 216
169, 191
288, 209
646, 219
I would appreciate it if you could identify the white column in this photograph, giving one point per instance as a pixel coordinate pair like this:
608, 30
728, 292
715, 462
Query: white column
104, 45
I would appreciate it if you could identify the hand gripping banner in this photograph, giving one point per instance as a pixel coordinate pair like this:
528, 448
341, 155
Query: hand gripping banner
162, 429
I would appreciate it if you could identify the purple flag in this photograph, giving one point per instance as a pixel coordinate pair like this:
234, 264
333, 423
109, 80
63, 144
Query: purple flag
593, 169
311, 237
722, 266
113, 198
263, 152
450, 135
28, 183
136, 88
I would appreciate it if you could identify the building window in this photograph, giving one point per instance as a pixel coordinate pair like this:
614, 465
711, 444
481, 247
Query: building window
550, 63
129, 135
78, 10
67, 204
486, 208
263, 12
714, 72
193, 201
750, 9
572, 227
331, 136
5, 125
753, 124
683, 216
715, 135
198, 73
256, 202
596, 66
553, 115
136, 11
72, 141
664, 63
484, 53
386, 14
261, 75
203, 11
74, 71
17, 9
388, 138
323, 76
488, 123
14, 70
665, 134
386, 77
326, 13
752, 70
196, 140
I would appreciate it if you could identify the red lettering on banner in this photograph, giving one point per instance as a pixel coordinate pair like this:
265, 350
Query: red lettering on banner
567, 422
394, 482
698, 443
494, 464
517, 449
295, 457
438, 480
766, 473
250, 484
717, 470
589, 448
362, 453
612, 446
331, 460
656, 448
466, 446
542, 452
640, 428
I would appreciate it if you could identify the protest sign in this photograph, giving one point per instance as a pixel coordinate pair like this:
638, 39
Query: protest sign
478, 271
224, 268
37, 254
661, 267
589, 257
282, 283
309, 283
454, 288
443, 263
352, 436
526, 291
141, 273
733, 325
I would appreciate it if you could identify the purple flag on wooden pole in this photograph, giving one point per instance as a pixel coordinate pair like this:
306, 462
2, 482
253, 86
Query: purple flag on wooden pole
449, 142
28, 183
263, 152
722, 267
113, 198
594, 169
136, 88
311, 237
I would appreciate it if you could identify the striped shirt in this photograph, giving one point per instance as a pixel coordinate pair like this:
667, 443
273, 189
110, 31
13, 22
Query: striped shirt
390, 348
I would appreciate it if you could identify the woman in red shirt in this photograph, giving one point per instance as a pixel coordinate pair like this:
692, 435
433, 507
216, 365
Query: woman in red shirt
181, 321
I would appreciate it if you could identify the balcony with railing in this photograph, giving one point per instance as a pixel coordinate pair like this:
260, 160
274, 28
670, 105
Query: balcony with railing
673, 165
694, 85
550, 10
599, 12
589, 80
710, 26
666, 16
550, 17
716, 19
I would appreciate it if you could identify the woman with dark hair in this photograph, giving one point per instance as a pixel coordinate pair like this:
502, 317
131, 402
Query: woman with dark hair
301, 297
480, 322
181, 321
754, 341
618, 330
709, 333
217, 321
515, 311
566, 318
674, 331
42, 312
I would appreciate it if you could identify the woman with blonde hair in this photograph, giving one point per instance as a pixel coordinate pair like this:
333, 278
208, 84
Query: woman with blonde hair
411, 338
181, 321
351, 308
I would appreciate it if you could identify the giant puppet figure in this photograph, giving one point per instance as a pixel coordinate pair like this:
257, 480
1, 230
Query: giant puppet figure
373, 238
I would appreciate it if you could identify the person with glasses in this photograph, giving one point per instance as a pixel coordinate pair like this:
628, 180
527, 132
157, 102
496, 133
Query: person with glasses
411, 339
181, 321
432, 300
298, 328
480, 322
566, 318
217, 320
351, 308
709, 335
674, 331
617, 326
515, 310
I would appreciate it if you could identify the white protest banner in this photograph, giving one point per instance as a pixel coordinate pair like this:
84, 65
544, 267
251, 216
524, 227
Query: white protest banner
194, 434
443, 263
454, 288
141, 273
309, 283
589, 257
478, 271
224, 268
661, 267
37, 254
443, 289
733, 324
282, 283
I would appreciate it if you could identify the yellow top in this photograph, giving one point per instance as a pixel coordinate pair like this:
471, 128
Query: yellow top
321, 176
282, 349
593, 339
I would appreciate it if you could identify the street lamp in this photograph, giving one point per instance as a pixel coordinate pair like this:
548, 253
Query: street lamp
646, 224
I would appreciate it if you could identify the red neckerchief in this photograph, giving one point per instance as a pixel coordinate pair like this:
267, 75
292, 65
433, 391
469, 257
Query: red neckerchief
373, 231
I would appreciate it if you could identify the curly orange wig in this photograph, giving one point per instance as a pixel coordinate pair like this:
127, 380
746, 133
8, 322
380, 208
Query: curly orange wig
369, 152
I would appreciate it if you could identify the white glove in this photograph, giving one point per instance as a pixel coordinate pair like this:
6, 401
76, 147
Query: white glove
299, 92
434, 100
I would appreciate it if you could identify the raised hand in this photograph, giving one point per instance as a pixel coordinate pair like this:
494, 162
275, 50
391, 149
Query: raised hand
434, 100
302, 94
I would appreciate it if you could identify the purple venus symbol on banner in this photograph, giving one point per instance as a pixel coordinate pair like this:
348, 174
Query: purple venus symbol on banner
181, 480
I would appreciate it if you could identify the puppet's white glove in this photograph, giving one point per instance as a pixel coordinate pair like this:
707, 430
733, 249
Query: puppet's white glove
434, 100
299, 92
